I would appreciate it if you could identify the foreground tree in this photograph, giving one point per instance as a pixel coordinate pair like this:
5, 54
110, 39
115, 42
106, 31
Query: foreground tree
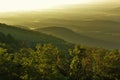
39, 64
111, 66
80, 67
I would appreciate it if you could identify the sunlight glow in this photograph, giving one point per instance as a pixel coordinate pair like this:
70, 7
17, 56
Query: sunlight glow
26, 5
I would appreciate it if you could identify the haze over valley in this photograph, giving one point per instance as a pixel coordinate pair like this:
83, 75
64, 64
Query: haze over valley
97, 21
59, 40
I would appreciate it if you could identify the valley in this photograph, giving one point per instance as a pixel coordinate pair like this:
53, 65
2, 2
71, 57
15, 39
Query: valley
100, 24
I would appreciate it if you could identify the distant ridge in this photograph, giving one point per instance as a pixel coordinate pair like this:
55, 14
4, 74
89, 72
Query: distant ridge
71, 36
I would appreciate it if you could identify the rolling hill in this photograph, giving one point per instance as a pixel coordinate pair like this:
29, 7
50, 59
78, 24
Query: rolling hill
73, 37
32, 37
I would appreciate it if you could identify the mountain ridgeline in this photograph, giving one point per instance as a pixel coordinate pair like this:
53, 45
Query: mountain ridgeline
58, 36
31, 38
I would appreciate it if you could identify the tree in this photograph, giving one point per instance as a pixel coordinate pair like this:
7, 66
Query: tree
111, 66
39, 63
81, 64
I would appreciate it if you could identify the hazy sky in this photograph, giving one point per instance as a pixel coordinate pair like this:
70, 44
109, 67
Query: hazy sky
18, 5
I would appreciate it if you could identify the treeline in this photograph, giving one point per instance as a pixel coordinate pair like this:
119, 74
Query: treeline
47, 62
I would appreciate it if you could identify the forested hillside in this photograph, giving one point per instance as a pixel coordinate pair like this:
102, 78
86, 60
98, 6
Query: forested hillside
31, 38
47, 61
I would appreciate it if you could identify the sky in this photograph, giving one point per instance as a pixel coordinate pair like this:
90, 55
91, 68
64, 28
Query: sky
23, 5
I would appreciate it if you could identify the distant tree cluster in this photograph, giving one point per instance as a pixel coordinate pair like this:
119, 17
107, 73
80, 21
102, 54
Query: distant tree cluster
47, 62
10, 43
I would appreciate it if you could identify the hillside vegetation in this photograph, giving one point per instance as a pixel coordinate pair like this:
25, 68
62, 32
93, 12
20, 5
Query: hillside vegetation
30, 37
48, 62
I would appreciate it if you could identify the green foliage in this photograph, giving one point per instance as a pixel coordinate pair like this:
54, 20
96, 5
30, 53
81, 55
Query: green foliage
48, 62
29, 64
9, 42
80, 67
111, 65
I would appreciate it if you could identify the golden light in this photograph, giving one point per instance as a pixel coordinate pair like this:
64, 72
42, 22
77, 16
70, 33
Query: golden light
26, 5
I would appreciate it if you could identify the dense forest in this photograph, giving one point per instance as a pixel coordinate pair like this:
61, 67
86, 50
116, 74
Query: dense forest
19, 61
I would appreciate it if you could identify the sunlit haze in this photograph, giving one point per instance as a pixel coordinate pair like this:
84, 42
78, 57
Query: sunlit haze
26, 5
